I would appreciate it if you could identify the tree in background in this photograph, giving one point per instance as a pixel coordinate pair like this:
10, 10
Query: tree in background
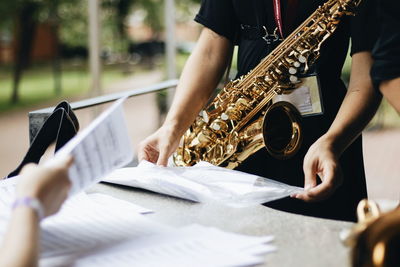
68, 20
24, 14
22, 17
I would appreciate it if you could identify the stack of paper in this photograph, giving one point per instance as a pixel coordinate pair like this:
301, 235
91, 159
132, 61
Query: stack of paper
191, 246
203, 182
99, 230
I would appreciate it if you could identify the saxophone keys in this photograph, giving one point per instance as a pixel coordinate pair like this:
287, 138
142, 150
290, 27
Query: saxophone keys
194, 142
204, 138
293, 79
321, 27
205, 116
215, 126
292, 70
219, 125
242, 102
230, 148
224, 116
233, 113
302, 59
296, 64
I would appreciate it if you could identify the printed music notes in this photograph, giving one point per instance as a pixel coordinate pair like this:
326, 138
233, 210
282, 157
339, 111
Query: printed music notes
100, 148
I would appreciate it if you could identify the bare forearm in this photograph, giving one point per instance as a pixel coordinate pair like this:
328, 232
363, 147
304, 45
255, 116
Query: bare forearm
20, 246
358, 107
199, 78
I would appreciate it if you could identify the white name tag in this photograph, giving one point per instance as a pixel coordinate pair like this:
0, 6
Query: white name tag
306, 97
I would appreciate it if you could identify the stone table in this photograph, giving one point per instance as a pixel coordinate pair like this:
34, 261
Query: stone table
301, 240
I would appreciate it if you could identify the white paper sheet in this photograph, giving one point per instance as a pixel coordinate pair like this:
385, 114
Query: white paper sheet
191, 246
80, 216
115, 203
88, 234
84, 226
203, 182
111, 233
100, 148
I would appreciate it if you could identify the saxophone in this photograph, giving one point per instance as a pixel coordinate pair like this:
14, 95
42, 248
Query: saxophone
241, 120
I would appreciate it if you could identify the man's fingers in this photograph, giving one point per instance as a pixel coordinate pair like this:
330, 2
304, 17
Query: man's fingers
329, 184
166, 150
141, 155
28, 168
320, 192
310, 179
148, 153
141, 152
162, 159
303, 196
67, 161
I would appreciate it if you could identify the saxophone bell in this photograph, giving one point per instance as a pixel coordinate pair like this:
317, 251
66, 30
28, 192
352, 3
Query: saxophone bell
281, 129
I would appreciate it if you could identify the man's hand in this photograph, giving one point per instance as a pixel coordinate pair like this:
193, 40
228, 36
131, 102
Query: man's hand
321, 162
50, 184
159, 146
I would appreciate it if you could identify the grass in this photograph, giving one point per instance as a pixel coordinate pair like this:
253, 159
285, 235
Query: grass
37, 84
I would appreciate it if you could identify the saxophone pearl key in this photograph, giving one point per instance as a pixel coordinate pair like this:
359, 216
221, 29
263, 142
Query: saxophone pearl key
224, 116
302, 59
216, 126
292, 70
205, 116
293, 79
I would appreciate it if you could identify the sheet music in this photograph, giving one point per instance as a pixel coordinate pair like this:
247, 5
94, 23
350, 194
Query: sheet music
103, 146
193, 245
84, 226
115, 203
84, 223
112, 233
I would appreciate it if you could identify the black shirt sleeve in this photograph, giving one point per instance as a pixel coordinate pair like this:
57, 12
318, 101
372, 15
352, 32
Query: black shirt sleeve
219, 16
387, 50
364, 27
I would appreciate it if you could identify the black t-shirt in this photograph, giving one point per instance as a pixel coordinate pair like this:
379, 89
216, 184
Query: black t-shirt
225, 17
387, 50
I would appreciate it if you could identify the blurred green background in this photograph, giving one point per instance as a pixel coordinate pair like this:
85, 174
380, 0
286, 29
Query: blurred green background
44, 45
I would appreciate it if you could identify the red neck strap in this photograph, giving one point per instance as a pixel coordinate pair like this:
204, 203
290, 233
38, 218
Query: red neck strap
289, 16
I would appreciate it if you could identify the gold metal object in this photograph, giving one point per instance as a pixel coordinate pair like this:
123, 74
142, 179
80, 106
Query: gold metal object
375, 239
241, 120
367, 212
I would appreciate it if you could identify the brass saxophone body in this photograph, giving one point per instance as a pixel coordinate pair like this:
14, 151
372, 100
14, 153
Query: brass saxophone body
241, 119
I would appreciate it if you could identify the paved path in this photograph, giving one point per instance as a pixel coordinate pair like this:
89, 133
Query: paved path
381, 148
382, 161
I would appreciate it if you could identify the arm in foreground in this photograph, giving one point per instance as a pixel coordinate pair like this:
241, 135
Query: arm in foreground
200, 76
50, 185
357, 109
